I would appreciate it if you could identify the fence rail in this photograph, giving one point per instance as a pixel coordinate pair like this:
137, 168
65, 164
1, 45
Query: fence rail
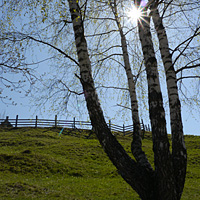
41, 123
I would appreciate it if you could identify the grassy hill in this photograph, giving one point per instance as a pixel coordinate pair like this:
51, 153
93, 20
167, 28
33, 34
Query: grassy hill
38, 164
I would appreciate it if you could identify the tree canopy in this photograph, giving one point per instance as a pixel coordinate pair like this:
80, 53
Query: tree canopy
38, 35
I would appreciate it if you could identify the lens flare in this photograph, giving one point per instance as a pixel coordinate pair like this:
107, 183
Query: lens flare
134, 13
143, 3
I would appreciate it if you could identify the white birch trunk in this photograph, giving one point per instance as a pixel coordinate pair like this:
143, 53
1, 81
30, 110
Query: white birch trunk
136, 146
179, 153
163, 163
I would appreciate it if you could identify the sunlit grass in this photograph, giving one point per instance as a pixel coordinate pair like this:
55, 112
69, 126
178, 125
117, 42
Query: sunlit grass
38, 164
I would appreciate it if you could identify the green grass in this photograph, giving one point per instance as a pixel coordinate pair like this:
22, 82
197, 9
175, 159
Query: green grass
38, 164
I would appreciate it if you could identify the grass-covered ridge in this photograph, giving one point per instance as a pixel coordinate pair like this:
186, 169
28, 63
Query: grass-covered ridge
38, 164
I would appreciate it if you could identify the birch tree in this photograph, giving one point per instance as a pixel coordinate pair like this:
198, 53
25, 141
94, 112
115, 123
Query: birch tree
126, 166
179, 155
64, 27
176, 166
164, 179
136, 146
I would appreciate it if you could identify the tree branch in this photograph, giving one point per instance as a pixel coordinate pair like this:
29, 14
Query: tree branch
100, 34
113, 87
71, 91
184, 77
189, 41
123, 106
115, 54
187, 67
54, 47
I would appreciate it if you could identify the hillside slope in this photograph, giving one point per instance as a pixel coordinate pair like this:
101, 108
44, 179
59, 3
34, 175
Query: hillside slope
40, 164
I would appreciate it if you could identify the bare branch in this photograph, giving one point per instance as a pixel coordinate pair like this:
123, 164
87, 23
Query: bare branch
189, 40
187, 67
113, 87
115, 54
184, 77
165, 9
54, 47
123, 106
71, 91
100, 34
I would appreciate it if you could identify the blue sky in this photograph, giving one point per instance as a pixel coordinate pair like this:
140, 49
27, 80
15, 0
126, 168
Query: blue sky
191, 122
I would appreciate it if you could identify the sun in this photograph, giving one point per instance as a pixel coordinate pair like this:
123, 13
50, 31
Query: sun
134, 14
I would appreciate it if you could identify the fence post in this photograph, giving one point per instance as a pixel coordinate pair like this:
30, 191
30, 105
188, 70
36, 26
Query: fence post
110, 125
16, 121
143, 129
7, 121
124, 129
74, 124
149, 128
36, 121
55, 121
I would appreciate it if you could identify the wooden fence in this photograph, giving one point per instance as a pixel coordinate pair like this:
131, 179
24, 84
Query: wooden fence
74, 124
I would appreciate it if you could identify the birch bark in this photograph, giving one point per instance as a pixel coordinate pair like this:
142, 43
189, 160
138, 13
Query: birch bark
136, 146
137, 176
179, 154
164, 182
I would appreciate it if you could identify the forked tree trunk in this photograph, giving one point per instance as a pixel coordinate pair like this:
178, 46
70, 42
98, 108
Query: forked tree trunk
164, 176
150, 185
136, 175
136, 145
179, 154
